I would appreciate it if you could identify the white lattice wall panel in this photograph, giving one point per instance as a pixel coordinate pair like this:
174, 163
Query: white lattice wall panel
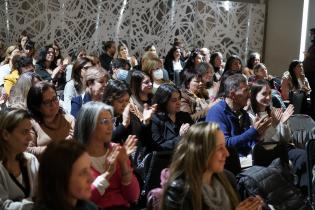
229, 27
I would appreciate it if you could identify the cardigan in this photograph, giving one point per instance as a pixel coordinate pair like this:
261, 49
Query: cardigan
11, 196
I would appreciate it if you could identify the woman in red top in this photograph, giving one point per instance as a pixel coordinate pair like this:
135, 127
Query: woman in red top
114, 186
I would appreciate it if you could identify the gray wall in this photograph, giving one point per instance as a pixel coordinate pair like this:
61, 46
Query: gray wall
283, 32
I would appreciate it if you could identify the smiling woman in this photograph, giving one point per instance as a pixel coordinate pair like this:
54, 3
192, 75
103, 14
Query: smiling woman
114, 184
197, 178
50, 122
18, 169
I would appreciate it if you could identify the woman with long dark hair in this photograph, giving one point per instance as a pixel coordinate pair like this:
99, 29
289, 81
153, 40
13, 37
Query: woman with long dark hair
47, 69
216, 60
174, 65
294, 79
254, 59
50, 122
168, 123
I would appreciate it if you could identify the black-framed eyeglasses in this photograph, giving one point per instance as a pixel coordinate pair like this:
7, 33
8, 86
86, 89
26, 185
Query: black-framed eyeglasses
48, 103
105, 121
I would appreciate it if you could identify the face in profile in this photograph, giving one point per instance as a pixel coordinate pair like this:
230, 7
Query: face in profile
80, 178
262, 73
97, 88
18, 139
217, 159
241, 95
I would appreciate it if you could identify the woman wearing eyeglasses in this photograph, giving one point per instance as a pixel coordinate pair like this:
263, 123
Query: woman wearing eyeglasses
114, 185
50, 122
46, 68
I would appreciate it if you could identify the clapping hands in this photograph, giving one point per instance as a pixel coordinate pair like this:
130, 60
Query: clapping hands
148, 112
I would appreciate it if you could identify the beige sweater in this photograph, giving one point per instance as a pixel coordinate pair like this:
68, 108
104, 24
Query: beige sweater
62, 129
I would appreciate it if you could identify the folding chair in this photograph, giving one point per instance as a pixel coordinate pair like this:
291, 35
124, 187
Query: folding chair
303, 128
155, 162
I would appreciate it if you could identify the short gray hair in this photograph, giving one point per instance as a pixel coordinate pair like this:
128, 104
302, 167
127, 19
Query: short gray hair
233, 82
87, 120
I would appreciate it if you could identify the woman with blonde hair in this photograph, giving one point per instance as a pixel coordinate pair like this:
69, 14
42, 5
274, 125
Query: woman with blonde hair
152, 65
197, 178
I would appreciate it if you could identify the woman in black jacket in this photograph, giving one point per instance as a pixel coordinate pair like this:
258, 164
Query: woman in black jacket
169, 123
197, 180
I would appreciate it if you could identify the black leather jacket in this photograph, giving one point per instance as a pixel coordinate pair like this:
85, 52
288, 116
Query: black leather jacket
177, 199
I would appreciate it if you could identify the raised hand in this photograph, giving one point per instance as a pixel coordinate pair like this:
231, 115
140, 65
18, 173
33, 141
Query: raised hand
147, 113
287, 113
126, 116
111, 160
183, 129
262, 124
276, 115
130, 144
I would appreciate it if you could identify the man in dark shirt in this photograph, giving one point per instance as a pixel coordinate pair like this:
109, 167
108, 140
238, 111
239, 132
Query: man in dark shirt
106, 58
